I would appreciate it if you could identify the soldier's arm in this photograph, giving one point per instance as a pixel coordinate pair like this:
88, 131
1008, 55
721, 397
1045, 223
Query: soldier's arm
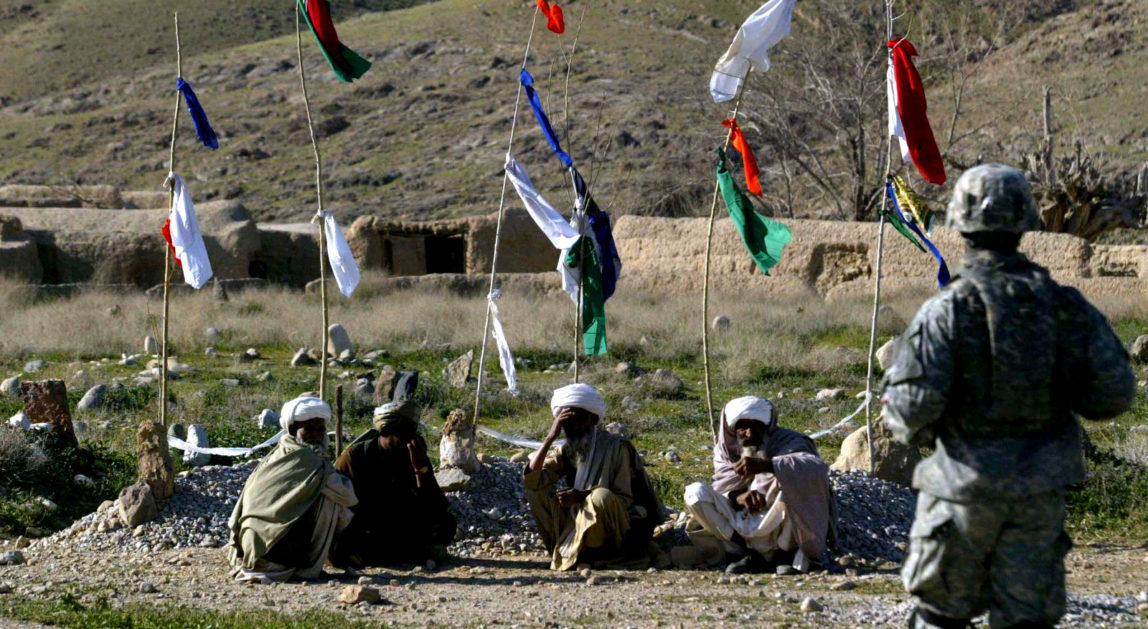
1103, 381
916, 388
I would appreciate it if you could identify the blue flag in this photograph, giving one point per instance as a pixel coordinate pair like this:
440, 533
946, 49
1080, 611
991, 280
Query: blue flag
543, 121
608, 257
943, 277
203, 128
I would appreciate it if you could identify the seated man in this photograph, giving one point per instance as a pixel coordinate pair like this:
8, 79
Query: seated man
293, 504
771, 500
402, 515
608, 510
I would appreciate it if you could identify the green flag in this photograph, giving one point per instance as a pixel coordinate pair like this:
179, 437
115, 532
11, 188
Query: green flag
346, 63
764, 238
593, 297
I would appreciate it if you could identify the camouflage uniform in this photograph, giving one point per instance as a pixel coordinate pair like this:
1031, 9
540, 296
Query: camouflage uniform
990, 373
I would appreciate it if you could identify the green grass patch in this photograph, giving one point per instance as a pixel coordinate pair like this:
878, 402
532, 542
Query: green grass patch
68, 611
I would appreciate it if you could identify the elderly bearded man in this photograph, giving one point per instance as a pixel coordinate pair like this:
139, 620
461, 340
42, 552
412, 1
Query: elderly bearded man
771, 500
607, 511
402, 515
293, 504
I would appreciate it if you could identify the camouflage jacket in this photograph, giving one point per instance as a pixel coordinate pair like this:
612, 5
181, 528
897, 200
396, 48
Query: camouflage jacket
992, 371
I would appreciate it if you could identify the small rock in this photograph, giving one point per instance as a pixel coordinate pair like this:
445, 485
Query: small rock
137, 505
830, 394
213, 335
178, 431
720, 323
94, 399
80, 479
346, 356
151, 345
147, 587
10, 387
723, 580
81, 428
33, 366
267, 420
210, 351
1139, 349
302, 358
5, 588
520, 456
338, 340
197, 436
250, 355
844, 586
20, 421
11, 558
887, 354
452, 479
592, 581
457, 373
823, 410
366, 581
114, 311
229, 382
355, 594
266, 376
810, 605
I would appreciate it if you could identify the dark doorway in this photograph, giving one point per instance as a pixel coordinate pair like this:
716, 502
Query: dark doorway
446, 254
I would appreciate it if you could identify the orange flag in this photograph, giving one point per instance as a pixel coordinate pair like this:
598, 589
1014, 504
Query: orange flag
737, 138
555, 21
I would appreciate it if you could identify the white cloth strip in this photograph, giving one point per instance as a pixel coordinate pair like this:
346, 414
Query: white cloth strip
561, 234
505, 359
186, 238
514, 441
180, 444
896, 128
761, 31
342, 261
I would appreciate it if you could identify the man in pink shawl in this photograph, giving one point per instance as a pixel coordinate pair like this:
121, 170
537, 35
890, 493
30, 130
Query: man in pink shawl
771, 502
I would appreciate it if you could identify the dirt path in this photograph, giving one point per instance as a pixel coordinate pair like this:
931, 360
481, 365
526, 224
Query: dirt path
518, 591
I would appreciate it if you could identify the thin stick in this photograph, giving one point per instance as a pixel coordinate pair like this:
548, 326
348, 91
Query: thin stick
877, 274
581, 294
167, 249
338, 420
319, 195
706, 280
498, 227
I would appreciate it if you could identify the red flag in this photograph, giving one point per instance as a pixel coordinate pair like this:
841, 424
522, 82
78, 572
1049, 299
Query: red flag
913, 109
737, 138
555, 21
167, 236
320, 13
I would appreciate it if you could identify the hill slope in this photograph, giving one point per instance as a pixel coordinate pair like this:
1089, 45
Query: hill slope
424, 132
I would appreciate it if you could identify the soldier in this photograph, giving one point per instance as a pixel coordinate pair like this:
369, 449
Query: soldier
991, 373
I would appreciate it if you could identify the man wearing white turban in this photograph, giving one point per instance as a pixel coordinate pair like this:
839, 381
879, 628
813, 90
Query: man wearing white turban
771, 502
293, 504
607, 511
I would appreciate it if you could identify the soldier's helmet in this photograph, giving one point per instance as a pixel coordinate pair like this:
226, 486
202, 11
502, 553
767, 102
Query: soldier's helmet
992, 198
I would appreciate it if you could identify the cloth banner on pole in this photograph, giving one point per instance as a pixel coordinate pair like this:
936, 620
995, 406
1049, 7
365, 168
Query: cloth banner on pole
764, 238
505, 359
346, 63
560, 233
203, 129
339, 254
750, 48
603, 234
908, 113
543, 120
748, 160
184, 237
943, 277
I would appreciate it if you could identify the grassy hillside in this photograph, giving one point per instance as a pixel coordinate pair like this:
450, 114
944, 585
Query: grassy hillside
424, 133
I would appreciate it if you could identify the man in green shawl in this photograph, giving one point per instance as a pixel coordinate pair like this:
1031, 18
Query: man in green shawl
402, 515
293, 504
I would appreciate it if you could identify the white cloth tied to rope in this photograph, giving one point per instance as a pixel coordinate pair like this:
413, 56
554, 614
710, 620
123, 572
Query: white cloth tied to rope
186, 238
505, 359
761, 31
560, 233
180, 444
342, 261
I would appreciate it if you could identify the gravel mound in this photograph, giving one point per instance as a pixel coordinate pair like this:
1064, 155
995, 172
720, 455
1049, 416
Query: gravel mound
873, 519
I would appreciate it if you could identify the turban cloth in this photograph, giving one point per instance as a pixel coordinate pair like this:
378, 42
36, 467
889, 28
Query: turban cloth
302, 409
581, 396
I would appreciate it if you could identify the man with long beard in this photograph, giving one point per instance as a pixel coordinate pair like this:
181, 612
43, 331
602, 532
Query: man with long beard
771, 502
608, 510
293, 504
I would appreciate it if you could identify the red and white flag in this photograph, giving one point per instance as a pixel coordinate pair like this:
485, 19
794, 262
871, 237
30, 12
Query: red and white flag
181, 231
908, 114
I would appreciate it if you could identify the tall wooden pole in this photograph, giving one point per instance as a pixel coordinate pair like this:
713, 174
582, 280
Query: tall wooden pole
167, 249
877, 273
498, 228
319, 200
706, 276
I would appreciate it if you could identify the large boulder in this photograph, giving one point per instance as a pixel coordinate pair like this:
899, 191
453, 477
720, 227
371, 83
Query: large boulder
156, 469
1140, 348
93, 400
338, 341
887, 353
197, 437
894, 461
457, 373
46, 402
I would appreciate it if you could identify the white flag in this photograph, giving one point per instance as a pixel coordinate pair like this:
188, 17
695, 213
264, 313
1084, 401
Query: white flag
896, 128
505, 359
560, 233
186, 239
343, 263
760, 32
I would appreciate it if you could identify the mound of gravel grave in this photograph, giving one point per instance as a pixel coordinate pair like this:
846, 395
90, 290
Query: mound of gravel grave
872, 526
